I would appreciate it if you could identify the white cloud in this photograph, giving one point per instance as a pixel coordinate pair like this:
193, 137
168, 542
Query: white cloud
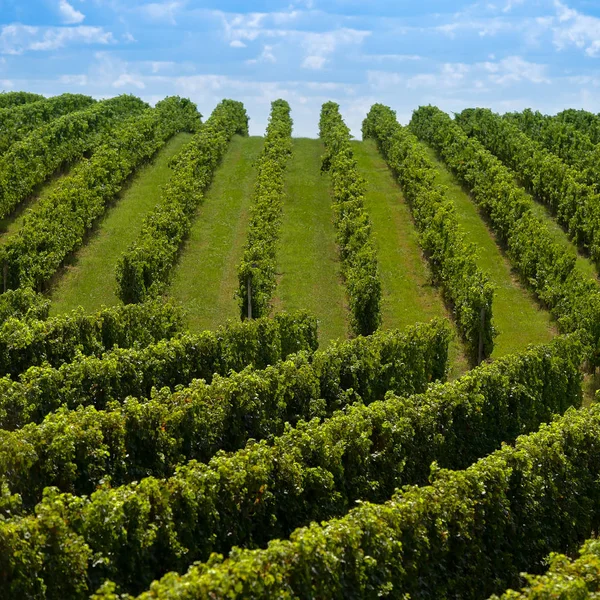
237, 44
162, 11
128, 37
17, 38
6, 84
266, 56
127, 79
514, 69
314, 62
69, 14
572, 28
74, 79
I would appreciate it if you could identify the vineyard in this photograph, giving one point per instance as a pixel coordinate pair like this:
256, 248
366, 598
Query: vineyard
274, 367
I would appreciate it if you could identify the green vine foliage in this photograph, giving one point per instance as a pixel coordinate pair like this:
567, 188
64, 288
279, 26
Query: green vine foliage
258, 264
544, 265
29, 162
144, 270
56, 226
564, 140
98, 378
584, 121
466, 535
78, 450
23, 304
453, 262
13, 99
17, 122
423, 538
25, 342
353, 228
566, 578
545, 175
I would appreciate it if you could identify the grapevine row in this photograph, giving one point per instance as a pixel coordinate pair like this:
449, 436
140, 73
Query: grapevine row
466, 535
17, 122
256, 271
8, 99
547, 177
24, 304
31, 161
354, 237
144, 270
97, 379
56, 226
24, 343
545, 266
136, 532
584, 121
78, 450
453, 262
563, 139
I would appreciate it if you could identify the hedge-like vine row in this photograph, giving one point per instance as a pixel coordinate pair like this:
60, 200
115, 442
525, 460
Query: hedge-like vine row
24, 343
57, 224
144, 270
78, 450
23, 304
353, 228
566, 578
466, 535
8, 99
31, 161
17, 122
453, 262
97, 379
547, 177
564, 140
256, 270
315, 471
545, 266
584, 121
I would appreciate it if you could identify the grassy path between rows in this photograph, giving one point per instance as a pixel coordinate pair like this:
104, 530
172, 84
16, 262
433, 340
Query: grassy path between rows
307, 255
205, 278
89, 278
517, 316
408, 296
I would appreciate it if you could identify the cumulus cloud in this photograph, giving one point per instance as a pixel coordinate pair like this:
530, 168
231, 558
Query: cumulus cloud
572, 28
69, 14
162, 11
17, 38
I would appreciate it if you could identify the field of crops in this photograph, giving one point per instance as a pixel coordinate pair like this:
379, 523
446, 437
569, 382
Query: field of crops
279, 367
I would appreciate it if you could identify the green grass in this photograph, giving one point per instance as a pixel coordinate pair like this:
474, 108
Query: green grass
205, 278
89, 278
517, 316
408, 296
307, 255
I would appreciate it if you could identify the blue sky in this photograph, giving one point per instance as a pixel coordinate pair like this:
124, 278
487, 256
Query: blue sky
504, 54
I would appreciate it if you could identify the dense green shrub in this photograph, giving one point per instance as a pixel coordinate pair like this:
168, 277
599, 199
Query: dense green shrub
102, 378
316, 471
144, 270
9, 99
258, 262
23, 304
57, 224
78, 450
24, 343
545, 266
31, 161
353, 228
564, 140
453, 262
17, 122
545, 175
566, 578
584, 121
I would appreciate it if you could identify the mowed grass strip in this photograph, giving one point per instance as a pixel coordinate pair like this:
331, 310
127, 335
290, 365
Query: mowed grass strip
89, 280
517, 316
205, 278
408, 297
307, 255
